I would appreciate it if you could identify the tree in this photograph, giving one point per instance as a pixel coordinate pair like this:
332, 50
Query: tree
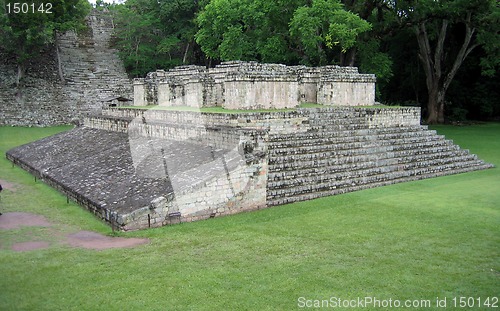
247, 30
447, 32
369, 52
290, 32
325, 24
67, 15
136, 38
155, 34
24, 35
179, 29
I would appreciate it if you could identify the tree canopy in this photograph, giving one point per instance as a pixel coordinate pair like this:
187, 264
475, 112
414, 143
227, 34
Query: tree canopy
154, 34
291, 32
325, 24
25, 34
247, 30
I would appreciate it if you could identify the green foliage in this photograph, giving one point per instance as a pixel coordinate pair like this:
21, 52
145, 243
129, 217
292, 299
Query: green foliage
489, 38
326, 24
345, 27
24, 35
375, 35
151, 34
416, 240
310, 27
412, 77
446, 34
69, 14
278, 31
473, 91
135, 37
372, 60
246, 30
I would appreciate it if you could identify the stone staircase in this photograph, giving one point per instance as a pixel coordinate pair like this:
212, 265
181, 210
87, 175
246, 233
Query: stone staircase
92, 69
339, 155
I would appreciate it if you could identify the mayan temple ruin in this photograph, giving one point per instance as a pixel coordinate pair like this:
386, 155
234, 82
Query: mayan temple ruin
250, 85
153, 164
139, 168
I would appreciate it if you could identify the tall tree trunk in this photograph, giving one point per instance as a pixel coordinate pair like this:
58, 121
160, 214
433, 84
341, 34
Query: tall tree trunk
435, 105
348, 58
184, 59
352, 56
137, 43
438, 82
432, 68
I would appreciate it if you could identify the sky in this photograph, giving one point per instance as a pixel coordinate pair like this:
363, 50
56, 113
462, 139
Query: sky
107, 1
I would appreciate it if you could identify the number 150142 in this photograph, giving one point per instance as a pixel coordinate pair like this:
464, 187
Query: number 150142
28, 8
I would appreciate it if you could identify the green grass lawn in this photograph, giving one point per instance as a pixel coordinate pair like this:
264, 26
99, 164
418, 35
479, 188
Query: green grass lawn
421, 240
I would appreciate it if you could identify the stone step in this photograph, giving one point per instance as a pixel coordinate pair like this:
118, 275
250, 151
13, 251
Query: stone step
277, 198
356, 142
272, 201
360, 161
329, 112
359, 125
346, 175
337, 116
347, 153
354, 125
316, 137
311, 168
341, 126
345, 170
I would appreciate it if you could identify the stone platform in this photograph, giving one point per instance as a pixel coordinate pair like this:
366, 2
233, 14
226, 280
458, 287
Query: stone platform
138, 168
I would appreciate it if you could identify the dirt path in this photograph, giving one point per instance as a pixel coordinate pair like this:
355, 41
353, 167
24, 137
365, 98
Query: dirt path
18, 220
83, 239
8, 186
94, 240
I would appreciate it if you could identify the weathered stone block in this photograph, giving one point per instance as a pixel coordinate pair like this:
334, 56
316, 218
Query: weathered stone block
250, 85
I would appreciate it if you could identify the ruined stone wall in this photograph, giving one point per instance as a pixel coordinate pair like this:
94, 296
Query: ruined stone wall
251, 85
92, 71
236, 184
33, 103
279, 122
344, 86
275, 122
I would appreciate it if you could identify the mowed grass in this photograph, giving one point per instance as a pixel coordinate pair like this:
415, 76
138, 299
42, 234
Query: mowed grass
418, 241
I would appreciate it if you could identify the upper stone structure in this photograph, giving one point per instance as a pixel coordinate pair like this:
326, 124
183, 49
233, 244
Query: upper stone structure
251, 85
